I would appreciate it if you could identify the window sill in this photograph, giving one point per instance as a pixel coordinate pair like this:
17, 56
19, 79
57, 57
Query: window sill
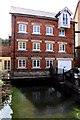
62, 36
62, 51
6, 70
36, 33
23, 32
36, 50
21, 68
22, 50
49, 51
36, 68
47, 67
49, 34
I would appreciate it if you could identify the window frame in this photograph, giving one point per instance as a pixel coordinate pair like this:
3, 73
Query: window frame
21, 47
61, 32
49, 30
50, 61
22, 64
36, 29
36, 49
65, 19
49, 45
22, 28
8, 65
62, 47
35, 66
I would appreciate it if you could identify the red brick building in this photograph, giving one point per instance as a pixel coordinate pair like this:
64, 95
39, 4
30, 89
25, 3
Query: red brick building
40, 38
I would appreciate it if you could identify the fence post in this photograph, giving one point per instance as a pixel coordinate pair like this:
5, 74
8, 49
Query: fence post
63, 74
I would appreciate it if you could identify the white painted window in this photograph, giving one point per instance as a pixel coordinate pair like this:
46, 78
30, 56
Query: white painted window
36, 63
22, 63
49, 47
21, 45
22, 28
62, 32
7, 65
61, 47
65, 19
49, 30
36, 46
48, 62
36, 29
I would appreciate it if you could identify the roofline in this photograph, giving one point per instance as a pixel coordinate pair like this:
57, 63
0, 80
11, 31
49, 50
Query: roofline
51, 18
65, 8
76, 9
37, 16
31, 12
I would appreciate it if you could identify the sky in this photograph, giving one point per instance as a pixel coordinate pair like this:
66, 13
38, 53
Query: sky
53, 6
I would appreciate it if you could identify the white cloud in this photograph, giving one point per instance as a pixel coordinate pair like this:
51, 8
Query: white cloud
45, 5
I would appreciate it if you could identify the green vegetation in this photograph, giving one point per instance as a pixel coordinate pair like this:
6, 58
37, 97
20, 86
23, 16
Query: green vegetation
5, 42
76, 112
21, 110
1, 83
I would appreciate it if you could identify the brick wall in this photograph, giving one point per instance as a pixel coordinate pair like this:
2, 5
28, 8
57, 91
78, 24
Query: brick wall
29, 36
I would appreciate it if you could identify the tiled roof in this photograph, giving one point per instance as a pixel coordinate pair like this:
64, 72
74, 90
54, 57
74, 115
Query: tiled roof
24, 11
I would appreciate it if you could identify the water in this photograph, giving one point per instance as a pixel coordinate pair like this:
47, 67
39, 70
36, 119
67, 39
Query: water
42, 102
39, 102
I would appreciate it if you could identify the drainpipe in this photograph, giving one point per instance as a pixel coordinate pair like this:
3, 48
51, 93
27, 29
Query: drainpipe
74, 42
14, 38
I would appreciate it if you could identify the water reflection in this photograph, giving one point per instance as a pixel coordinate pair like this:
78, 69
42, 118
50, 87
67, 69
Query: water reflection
36, 96
41, 102
49, 95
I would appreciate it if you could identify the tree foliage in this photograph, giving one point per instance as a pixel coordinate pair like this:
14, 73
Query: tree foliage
5, 42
